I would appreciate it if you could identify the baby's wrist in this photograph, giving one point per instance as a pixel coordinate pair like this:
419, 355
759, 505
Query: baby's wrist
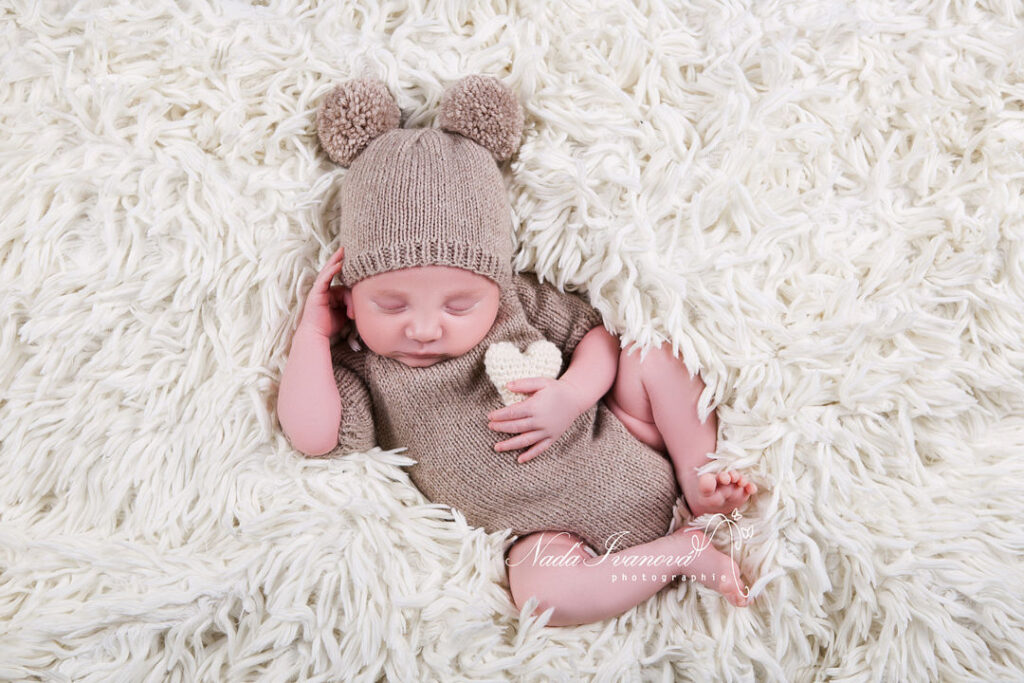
581, 401
311, 331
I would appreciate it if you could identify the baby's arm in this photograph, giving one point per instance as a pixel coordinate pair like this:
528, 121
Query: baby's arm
308, 404
594, 364
554, 404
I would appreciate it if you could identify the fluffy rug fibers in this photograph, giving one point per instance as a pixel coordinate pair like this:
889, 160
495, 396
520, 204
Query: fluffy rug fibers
818, 205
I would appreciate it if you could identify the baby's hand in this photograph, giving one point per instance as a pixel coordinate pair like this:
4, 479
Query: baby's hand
540, 419
324, 310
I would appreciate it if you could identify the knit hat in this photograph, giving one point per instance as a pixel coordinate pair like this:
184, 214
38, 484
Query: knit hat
423, 197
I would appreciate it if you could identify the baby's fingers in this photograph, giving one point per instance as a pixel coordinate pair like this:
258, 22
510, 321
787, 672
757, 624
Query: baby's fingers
521, 441
337, 293
517, 410
535, 451
331, 268
528, 385
511, 426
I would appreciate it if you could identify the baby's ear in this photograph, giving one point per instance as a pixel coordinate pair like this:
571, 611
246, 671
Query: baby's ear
486, 111
352, 115
346, 295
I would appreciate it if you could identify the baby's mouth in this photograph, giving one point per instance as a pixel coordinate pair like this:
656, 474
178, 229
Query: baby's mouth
430, 358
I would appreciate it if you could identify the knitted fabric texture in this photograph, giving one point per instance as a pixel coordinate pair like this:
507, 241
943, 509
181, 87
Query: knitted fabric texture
504, 363
485, 111
353, 115
424, 197
597, 480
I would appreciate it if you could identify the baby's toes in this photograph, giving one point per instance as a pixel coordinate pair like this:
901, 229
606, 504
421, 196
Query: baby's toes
734, 495
734, 594
732, 588
707, 484
738, 478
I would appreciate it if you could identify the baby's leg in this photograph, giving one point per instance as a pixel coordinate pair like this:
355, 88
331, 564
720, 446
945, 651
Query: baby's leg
556, 569
656, 400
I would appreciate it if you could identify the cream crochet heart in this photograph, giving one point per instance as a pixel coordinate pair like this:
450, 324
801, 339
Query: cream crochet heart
504, 363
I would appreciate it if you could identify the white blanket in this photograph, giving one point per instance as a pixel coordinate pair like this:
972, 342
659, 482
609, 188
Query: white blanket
818, 204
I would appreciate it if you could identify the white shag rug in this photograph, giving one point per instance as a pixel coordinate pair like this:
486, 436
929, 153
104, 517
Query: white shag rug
819, 203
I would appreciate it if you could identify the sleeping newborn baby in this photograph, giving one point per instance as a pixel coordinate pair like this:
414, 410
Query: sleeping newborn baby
586, 468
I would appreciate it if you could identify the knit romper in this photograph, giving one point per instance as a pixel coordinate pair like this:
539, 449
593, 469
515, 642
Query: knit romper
597, 480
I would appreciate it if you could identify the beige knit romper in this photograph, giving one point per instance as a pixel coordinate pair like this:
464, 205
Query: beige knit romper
597, 480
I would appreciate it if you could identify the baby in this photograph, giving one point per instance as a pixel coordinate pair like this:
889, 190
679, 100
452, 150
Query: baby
584, 484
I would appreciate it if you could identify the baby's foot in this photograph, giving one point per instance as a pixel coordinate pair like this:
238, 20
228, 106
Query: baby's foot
712, 568
711, 493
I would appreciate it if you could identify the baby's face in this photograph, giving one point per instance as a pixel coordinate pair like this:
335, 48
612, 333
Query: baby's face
423, 315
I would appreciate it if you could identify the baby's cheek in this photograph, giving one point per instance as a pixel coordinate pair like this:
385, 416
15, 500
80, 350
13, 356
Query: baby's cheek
375, 332
373, 323
475, 330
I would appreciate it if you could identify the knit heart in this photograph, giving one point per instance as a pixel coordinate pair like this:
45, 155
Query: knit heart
505, 363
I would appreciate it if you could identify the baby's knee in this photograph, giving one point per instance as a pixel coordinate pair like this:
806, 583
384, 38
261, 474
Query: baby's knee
549, 595
629, 358
538, 565
523, 587
661, 366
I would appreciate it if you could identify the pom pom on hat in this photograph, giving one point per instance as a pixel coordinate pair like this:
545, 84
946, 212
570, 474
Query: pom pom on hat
486, 111
423, 196
352, 115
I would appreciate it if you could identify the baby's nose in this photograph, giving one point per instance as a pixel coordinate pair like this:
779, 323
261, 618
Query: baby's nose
423, 331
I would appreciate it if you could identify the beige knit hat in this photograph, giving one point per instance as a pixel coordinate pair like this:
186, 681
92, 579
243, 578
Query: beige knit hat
423, 197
